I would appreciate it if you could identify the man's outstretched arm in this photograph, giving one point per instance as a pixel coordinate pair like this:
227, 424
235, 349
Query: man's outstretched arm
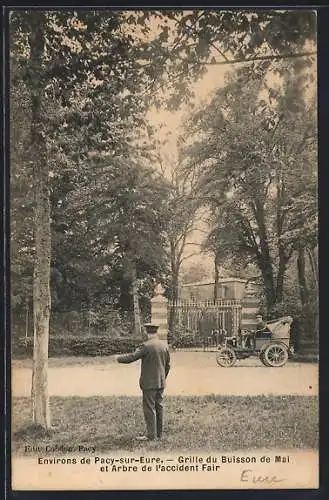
134, 356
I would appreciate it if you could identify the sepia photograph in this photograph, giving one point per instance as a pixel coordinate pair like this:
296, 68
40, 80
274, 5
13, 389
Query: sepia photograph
164, 321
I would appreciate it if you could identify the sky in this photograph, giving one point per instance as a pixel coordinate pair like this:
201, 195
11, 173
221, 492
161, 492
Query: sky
204, 88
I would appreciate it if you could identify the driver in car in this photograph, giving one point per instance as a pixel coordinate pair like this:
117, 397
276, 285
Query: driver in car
260, 327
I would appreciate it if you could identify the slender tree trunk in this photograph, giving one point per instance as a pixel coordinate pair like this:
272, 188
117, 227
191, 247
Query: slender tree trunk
174, 300
315, 272
314, 265
307, 330
216, 278
303, 288
174, 287
41, 278
26, 319
137, 314
281, 250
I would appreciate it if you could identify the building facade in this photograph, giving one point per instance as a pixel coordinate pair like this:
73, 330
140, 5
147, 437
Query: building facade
227, 288
235, 307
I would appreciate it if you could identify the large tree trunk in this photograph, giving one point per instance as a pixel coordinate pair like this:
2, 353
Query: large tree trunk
41, 278
264, 257
265, 265
137, 314
283, 261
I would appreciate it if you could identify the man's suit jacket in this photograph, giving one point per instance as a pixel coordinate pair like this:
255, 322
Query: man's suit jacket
155, 366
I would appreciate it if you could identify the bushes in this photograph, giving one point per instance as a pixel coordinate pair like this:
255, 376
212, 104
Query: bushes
76, 323
304, 329
186, 341
60, 346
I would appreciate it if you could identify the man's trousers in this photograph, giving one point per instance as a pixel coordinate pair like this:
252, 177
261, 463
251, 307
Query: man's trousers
153, 412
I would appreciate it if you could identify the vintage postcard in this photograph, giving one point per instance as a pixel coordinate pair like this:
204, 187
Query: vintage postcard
164, 258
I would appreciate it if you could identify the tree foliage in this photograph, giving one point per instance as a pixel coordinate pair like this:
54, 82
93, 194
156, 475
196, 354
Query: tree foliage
254, 148
188, 41
93, 108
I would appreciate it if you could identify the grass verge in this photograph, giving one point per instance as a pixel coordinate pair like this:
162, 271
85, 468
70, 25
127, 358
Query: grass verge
191, 423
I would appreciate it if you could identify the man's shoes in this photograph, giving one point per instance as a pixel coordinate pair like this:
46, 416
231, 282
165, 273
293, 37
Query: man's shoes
144, 438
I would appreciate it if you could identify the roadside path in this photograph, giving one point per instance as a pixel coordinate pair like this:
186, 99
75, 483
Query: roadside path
192, 373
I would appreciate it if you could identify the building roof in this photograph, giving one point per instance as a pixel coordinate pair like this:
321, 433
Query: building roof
221, 280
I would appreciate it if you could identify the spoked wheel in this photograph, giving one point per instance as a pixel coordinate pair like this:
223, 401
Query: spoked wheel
275, 355
262, 358
226, 357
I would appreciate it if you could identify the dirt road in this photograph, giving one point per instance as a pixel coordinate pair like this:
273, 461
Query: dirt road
192, 373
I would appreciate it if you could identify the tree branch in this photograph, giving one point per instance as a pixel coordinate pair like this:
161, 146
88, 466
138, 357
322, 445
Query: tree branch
261, 58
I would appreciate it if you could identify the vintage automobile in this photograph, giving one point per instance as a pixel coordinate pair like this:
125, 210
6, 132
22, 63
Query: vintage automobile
271, 345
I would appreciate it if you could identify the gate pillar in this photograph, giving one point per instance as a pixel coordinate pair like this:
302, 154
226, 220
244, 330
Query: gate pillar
250, 308
159, 312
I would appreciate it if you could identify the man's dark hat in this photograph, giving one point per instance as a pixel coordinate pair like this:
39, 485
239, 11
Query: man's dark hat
151, 327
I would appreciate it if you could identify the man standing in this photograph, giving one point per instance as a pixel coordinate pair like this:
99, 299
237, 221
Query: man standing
155, 367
